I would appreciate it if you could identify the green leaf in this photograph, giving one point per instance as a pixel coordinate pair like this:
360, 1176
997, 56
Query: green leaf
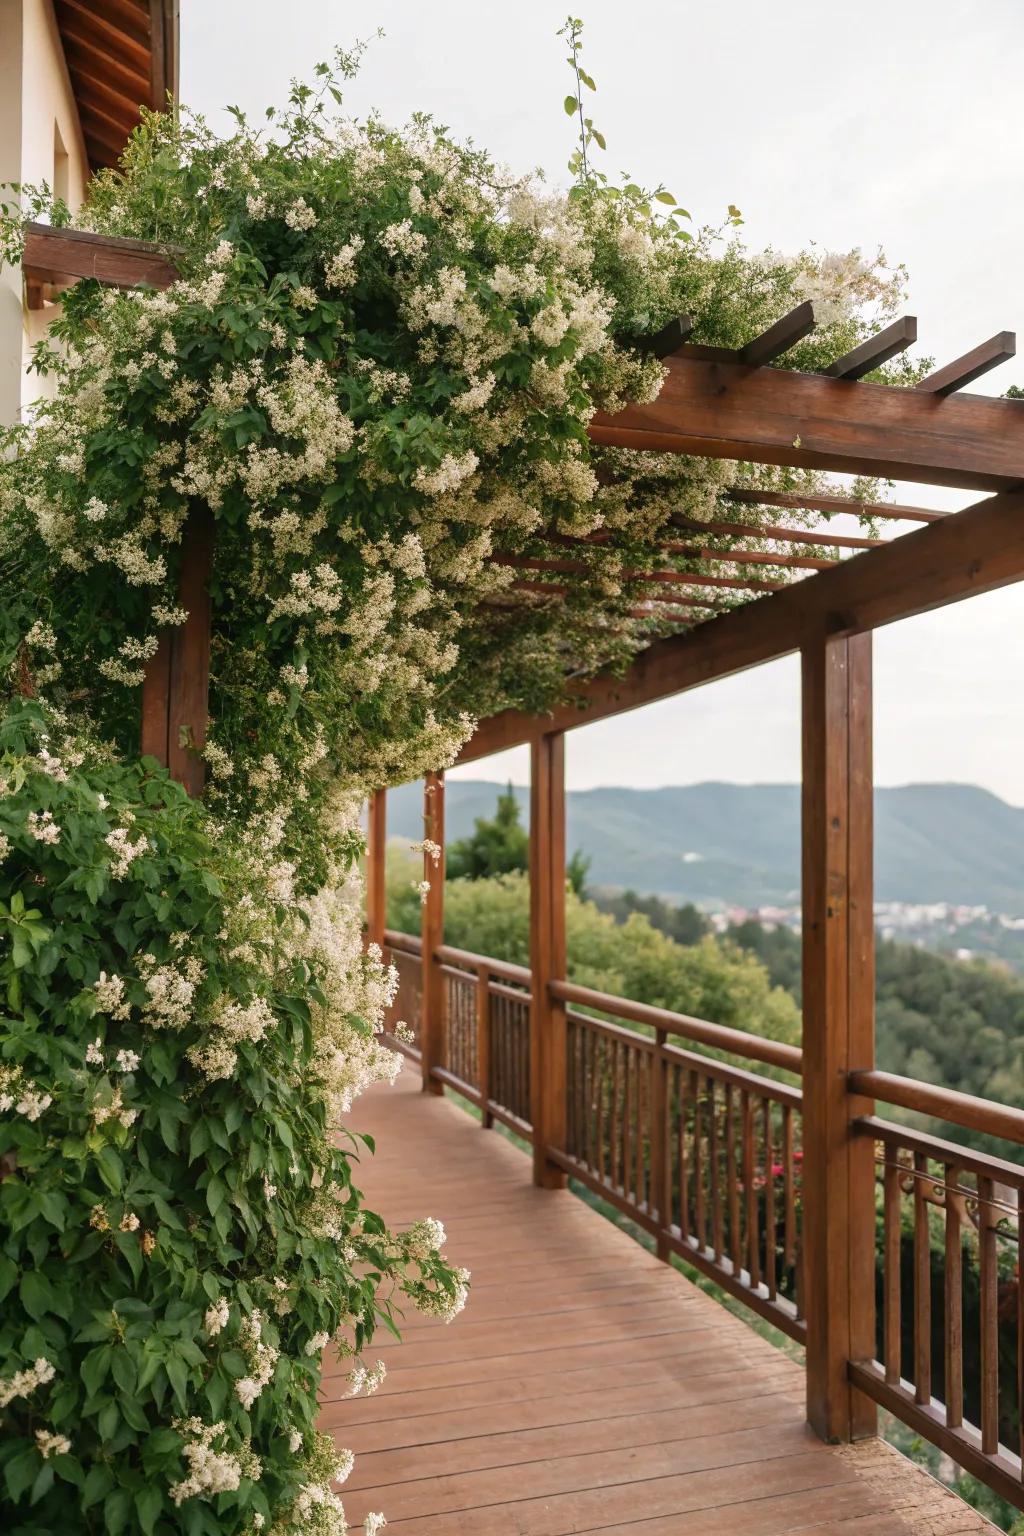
36, 1293
664, 197
571, 105
20, 1472
149, 1501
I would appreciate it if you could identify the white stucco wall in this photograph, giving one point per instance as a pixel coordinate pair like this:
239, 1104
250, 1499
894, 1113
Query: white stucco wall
36, 108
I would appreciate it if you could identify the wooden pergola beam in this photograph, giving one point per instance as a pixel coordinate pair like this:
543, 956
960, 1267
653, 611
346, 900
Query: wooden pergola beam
822, 539
778, 338
891, 510
966, 554
718, 408
65, 255
878, 349
957, 375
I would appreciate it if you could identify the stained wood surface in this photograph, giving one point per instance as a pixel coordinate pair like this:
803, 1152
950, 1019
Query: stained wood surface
586, 1388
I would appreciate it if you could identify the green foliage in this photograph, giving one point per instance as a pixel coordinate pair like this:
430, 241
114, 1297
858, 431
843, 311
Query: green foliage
686, 924
710, 979
144, 1186
496, 847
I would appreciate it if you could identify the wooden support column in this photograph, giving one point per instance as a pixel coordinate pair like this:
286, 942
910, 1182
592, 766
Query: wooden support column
432, 1004
376, 889
838, 1030
176, 690
547, 954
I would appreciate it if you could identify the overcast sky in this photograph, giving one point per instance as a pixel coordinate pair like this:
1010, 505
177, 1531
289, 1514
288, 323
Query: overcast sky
893, 124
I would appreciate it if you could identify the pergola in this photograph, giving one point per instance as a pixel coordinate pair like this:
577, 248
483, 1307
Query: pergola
732, 405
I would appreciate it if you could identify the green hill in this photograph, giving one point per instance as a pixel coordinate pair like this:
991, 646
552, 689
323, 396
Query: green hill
739, 844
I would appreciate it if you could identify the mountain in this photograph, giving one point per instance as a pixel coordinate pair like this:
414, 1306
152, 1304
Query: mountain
739, 844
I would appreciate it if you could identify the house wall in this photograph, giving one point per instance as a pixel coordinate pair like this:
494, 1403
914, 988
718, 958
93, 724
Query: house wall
40, 140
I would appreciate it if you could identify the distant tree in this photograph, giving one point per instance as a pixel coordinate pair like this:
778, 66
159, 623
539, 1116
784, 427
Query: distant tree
778, 948
576, 872
686, 924
499, 846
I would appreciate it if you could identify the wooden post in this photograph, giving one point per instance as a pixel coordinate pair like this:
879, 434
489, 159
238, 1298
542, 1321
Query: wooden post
547, 954
838, 1033
432, 1005
483, 1043
176, 690
661, 1174
376, 888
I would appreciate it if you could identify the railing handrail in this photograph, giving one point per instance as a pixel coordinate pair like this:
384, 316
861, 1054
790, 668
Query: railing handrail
949, 1152
409, 943
949, 1104
449, 955
774, 1053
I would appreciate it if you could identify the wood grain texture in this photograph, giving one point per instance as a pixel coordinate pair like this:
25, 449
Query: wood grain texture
433, 988
376, 847
547, 955
587, 1388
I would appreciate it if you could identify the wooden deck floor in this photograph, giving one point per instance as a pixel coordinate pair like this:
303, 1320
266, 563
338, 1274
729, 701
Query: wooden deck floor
587, 1387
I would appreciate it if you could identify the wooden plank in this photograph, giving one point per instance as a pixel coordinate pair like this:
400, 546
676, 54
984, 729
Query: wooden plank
778, 338
546, 1416
957, 375
376, 883
965, 554
548, 1063
838, 990
433, 994
54, 255
722, 409
871, 354
156, 689
823, 538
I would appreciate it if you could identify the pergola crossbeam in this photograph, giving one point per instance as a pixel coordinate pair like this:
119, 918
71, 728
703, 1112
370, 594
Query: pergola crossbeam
957, 375
778, 338
833, 504
871, 354
668, 340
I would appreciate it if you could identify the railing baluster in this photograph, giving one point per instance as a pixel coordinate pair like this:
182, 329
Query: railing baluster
599, 1085
716, 1202
615, 1148
698, 1158
954, 1321
989, 1298
753, 1244
922, 1285
684, 1160
769, 1201
788, 1192
661, 1143
732, 1181
641, 1095
892, 1212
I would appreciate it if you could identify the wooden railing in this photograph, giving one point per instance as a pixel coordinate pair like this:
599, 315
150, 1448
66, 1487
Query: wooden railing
404, 951
707, 1157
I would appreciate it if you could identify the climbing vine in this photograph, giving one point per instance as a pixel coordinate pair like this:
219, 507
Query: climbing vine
375, 375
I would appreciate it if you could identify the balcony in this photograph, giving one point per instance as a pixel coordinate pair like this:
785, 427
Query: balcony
591, 1386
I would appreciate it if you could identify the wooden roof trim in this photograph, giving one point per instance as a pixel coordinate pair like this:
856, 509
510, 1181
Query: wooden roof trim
966, 554
121, 55
876, 351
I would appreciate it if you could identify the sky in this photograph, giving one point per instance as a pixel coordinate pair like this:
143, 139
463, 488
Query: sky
868, 124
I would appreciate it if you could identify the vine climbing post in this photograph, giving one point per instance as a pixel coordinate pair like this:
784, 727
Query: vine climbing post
176, 690
547, 954
376, 891
839, 1028
432, 1002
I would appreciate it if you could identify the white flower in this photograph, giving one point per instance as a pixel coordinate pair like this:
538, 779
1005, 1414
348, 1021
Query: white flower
247, 1390
129, 1222
93, 1053
402, 240
340, 271
373, 1523
216, 1317
127, 1061
300, 215
124, 852
26, 1381
51, 1445
43, 827
424, 1238
318, 1342
295, 1440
